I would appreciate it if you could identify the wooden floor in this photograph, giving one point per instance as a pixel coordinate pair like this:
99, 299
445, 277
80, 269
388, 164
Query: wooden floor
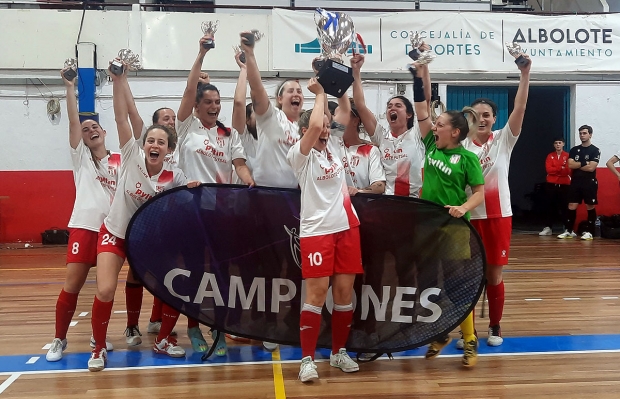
554, 288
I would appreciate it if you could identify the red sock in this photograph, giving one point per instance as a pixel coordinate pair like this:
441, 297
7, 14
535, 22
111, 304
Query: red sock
65, 308
495, 294
341, 325
191, 323
156, 312
309, 328
133, 302
169, 318
100, 320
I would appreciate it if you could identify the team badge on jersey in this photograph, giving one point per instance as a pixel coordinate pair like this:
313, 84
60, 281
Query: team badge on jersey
454, 159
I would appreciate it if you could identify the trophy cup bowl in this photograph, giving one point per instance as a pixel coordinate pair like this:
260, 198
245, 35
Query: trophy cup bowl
209, 27
335, 32
128, 57
416, 41
70, 73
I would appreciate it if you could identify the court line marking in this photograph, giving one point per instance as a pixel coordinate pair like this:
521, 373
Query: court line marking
83, 314
533, 299
33, 360
278, 379
571, 299
9, 381
297, 361
46, 346
73, 324
609, 297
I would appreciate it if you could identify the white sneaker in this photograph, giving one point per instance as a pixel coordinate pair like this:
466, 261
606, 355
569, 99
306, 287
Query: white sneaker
495, 336
587, 236
307, 370
97, 360
108, 345
168, 347
133, 336
460, 343
269, 346
54, 353
154, 327
343, 361
567, 234
546, 232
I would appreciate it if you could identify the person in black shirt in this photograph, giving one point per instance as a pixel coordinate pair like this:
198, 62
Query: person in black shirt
583, 160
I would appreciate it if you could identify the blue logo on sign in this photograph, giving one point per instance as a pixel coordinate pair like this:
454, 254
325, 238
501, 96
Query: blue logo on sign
314, 47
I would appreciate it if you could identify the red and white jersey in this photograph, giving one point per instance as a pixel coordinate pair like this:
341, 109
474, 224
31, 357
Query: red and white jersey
249, 146
325, 203
95, 185
135, 187
494, 156
276, 136
362, 162
207, 154
403, 160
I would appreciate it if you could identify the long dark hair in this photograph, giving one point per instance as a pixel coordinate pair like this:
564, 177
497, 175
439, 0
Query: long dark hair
172, 136
408, 107
486, 101
200, 92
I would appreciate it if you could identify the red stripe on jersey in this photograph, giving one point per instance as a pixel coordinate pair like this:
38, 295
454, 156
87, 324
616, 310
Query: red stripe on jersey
401, 185
114, 160
364, 150
492, 202
348, 208
166, 177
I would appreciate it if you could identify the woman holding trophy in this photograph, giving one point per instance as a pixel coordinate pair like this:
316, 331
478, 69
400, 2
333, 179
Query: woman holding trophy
95, 171
142, 175
329, 238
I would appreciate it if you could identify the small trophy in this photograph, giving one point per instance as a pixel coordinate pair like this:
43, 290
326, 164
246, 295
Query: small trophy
132, 60
70, 73
250, 38
515, 50
209, 27
416, 41
335, 32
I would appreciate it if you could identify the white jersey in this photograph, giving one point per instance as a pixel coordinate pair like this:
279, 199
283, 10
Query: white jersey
249, 146
403, 160
362, 162
494, 156
325, 203
95, 185
135, 187
276, 136
207, 154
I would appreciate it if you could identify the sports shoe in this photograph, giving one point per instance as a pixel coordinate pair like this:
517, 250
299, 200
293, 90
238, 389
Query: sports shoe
98, 358
155, 326
307, 370
567, 234
495, 336
546, 232
54, 353
587, 236
470, 353
343, 361
460, 343
435, 347
108, 345
133, 335
199, 344
168, 346
269, 346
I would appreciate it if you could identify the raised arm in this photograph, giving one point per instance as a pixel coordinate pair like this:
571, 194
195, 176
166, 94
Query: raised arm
238, 113
515, 120
315, 125
344, 110
75, 127
137, 124
189, 95
260, 99
422, 107
366, 116
121, 109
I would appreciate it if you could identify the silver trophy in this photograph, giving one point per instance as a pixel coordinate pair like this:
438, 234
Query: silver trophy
70, 73
336, 32
128, 57
250, 39
421, 57
209, 28
515, 50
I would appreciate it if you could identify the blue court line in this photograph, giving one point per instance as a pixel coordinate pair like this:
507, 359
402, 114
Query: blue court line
239, 355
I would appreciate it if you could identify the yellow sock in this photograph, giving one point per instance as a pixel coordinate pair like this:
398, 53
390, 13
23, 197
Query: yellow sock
467, 327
